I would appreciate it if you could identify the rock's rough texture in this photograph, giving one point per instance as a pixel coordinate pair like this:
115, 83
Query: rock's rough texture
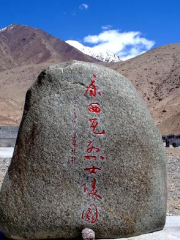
117, 188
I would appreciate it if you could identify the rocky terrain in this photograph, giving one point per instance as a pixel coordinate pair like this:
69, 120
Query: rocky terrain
13, 86
173, 178
173, 181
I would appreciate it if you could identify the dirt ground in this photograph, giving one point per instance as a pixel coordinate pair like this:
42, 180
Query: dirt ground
173, 179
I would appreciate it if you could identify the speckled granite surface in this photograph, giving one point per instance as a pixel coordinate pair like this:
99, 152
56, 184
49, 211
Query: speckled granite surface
117, 184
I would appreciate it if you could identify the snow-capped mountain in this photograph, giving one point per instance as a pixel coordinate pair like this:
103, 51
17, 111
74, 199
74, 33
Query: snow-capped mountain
104, 56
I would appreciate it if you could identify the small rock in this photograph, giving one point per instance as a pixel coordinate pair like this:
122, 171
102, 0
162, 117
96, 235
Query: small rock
88, 234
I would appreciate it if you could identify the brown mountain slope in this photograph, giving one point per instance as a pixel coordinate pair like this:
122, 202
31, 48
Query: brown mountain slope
22, 45
156, 76
13, 86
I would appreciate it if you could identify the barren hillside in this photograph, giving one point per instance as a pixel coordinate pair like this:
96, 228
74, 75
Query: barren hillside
13, 86
22, 45
156, 76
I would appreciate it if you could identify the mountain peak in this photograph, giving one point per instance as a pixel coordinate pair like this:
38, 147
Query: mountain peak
104, 56
23, 45
9, 27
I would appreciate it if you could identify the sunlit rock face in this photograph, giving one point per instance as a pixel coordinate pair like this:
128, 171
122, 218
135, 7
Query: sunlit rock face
88, 155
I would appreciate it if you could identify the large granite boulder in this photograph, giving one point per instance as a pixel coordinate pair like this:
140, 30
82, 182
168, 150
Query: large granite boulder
87, 155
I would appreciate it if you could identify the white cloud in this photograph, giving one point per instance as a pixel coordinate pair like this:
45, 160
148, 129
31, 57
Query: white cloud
124, 44
106, 27
83, 6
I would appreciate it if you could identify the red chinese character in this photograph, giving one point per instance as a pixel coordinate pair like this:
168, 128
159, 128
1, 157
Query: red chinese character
102, 157
94, 124
91, 214
92, 89
94, 108
93, 192
92, 170
89, 157
90, 149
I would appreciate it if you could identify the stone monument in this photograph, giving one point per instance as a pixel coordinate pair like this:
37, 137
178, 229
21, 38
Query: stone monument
87, 155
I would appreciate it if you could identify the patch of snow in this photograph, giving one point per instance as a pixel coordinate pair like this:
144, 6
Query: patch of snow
104, 56
3, 29
10, 27
7, 28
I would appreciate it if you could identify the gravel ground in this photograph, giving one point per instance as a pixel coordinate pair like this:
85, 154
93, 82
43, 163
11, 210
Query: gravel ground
173, 179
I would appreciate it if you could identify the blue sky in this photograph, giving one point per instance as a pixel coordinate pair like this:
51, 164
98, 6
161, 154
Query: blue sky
124, 27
